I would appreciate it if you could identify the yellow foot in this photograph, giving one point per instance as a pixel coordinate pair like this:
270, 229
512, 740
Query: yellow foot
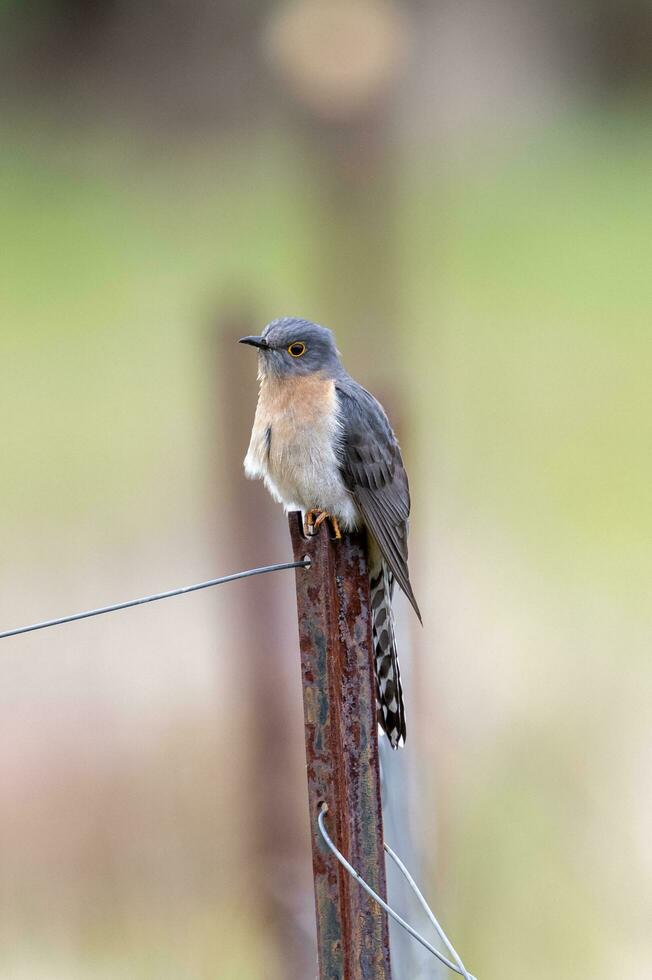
315, 518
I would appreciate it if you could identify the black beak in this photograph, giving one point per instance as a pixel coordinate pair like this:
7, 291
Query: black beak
259, 342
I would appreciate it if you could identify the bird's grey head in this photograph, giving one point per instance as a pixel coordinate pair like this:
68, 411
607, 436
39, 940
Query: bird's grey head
291, 347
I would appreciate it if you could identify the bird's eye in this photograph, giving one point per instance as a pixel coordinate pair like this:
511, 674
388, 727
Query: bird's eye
297, 349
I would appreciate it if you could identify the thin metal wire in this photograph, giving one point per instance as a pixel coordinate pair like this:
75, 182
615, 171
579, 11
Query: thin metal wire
383, 904
155, 598
431, 915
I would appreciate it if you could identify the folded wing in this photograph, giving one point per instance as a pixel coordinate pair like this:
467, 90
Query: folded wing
373, 471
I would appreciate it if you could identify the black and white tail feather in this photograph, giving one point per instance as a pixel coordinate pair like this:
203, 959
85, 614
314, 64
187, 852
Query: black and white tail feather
389, 692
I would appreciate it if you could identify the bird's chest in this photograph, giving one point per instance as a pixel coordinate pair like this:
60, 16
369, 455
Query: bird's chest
294, 439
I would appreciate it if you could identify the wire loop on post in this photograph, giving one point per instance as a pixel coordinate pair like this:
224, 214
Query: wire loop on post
460, 969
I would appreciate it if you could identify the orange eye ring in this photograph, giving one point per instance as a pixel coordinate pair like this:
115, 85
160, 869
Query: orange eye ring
297, 349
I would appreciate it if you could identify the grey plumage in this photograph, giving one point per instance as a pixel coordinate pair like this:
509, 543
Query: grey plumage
321, 441
373, 471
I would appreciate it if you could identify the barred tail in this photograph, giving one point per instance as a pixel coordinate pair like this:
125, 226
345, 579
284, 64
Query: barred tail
389, 693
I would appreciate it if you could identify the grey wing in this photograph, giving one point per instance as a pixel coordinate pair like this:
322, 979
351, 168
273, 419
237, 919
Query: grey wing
373, 471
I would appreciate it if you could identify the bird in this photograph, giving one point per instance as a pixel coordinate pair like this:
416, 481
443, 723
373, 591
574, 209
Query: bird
323, 445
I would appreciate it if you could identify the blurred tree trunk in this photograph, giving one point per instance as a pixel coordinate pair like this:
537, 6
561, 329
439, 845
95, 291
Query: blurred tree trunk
355, 237
622, 44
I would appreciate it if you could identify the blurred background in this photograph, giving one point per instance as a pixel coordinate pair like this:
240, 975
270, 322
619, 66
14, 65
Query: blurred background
462, 190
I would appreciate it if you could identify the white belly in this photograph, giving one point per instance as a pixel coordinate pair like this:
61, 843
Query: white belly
294, 448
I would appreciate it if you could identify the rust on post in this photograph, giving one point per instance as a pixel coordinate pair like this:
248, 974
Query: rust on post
339, 701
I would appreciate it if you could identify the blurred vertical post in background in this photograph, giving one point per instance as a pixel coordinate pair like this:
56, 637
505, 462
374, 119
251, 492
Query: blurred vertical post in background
344, 122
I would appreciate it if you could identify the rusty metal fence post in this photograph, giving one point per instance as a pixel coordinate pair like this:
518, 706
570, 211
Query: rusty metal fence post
339, 700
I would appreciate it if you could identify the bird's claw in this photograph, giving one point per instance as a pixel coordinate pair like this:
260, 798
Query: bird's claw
315, 518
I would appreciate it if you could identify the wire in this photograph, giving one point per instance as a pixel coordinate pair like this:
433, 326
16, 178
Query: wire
305, 563
383, 904
431, 915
